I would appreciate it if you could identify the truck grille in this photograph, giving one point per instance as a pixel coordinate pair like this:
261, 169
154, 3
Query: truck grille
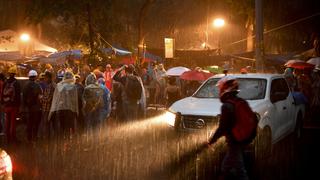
198, 122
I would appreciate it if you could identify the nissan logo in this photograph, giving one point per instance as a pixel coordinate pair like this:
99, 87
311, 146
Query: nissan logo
200, 123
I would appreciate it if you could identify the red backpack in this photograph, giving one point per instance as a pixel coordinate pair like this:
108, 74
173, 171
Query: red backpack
245, 127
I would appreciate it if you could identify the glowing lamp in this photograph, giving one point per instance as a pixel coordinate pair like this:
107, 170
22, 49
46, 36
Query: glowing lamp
218, 23
25, 37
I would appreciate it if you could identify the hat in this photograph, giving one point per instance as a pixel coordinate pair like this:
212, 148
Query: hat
227, 84
32, 73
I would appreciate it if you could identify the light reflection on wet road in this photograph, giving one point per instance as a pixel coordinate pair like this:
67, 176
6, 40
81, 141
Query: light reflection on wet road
146, 149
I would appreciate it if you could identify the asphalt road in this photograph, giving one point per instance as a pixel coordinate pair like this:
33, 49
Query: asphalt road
149, 149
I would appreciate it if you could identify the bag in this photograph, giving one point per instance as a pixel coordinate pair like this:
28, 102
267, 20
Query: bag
245, 128
9, 92
133, 88
93, 99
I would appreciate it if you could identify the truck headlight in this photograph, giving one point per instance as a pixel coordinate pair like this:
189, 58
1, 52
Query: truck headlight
8, 163
170, 118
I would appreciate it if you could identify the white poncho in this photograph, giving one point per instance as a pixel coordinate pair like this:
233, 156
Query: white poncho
65, 97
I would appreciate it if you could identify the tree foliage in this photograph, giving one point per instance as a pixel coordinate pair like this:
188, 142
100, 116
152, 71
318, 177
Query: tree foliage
125, 22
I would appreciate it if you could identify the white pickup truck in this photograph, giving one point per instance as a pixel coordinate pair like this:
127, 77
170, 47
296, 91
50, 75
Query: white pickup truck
267, 94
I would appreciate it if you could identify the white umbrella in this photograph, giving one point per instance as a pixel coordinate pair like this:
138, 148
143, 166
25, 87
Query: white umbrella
176, 71
314, 61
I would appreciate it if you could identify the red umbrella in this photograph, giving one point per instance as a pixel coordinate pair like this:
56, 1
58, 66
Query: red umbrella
300, 65
195, 75
292, 61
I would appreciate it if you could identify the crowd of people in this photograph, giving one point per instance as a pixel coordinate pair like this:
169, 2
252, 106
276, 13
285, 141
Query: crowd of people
62, 101
305, 85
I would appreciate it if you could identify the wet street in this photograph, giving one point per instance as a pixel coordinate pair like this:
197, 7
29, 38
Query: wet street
149, 149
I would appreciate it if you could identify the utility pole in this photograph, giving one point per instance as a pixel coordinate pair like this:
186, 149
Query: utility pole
259, 52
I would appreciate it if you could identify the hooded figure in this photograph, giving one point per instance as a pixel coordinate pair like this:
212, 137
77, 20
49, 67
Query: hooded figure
64, 107
92, 101
233, 166
106, 100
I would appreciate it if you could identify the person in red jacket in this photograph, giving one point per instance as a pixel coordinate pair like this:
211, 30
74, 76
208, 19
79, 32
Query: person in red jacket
233, 166
108, 74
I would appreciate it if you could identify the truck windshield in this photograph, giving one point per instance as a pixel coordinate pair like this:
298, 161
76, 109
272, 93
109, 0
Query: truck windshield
250, 89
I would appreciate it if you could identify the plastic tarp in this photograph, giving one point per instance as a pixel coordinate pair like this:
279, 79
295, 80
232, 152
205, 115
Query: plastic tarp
59, 57
63, 54
116, 51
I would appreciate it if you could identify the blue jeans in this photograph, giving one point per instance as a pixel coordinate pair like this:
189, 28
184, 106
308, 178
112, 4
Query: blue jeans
233, 166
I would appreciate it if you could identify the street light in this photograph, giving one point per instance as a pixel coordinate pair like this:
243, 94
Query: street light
25, 44
24, 37
218, 23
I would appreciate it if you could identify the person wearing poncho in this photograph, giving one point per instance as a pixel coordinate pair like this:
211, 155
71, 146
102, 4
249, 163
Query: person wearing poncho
64, 107
92, 102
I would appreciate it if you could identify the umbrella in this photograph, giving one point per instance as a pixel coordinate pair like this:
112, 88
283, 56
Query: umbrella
288, 63
176, 71
300, 65
315, 61
196, 75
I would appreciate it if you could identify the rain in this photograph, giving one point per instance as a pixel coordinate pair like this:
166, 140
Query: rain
146, 149
150, 89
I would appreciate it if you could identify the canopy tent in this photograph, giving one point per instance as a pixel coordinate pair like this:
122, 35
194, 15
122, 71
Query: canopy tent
59, 57
11, 56
10, 42
76, 53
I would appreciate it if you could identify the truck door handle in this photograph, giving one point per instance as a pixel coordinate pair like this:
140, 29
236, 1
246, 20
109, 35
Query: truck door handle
284, 108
